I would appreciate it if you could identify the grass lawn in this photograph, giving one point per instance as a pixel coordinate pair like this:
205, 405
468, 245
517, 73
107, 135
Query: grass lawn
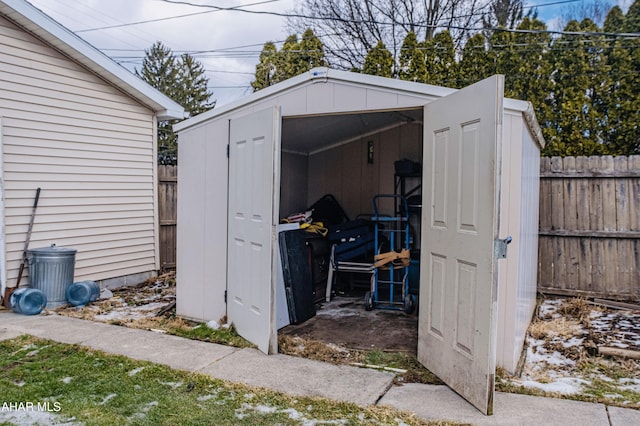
83, 386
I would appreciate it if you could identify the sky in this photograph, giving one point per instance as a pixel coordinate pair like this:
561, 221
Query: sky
230, 41
233, 40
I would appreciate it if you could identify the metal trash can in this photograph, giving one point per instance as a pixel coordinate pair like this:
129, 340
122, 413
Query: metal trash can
51, 270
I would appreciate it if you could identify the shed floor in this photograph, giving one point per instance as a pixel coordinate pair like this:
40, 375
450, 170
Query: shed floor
345, 322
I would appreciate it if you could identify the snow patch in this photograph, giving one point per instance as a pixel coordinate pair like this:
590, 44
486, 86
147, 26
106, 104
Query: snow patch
135, 371
293, 414
108, 398
173, 385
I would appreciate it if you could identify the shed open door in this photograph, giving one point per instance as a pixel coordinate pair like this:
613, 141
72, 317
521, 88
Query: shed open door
253, 143
458, 283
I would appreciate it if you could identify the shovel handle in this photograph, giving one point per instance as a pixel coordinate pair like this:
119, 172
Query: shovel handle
26, 242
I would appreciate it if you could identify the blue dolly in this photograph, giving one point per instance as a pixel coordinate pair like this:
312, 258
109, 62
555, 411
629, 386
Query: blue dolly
391, 269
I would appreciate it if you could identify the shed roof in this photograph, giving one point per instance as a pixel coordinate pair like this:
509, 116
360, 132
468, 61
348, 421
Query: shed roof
62, 39
328, 74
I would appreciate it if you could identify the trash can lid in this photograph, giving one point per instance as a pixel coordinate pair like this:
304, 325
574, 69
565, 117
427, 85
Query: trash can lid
53, 249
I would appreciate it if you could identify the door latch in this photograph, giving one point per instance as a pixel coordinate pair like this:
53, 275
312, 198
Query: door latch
500, 247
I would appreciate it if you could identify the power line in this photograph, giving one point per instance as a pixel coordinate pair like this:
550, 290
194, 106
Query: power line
215, 9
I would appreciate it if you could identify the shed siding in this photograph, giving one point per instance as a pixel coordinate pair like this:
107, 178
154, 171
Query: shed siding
202, 222
518, 219
89, 147
343, 170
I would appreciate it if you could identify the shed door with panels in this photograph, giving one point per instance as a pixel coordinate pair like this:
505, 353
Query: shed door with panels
253, 141
458, 291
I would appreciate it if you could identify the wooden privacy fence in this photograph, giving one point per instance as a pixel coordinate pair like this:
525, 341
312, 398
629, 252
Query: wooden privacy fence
167, 207
589, 242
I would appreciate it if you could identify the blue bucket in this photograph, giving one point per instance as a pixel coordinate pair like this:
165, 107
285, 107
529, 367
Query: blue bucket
83, 292
27, 301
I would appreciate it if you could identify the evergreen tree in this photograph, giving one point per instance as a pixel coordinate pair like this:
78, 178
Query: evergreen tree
474, 64
412, 66
159, 69
288, 58
182, 80
632, 19
623, 101
571, 102
378, 61
295, 57
311, 52
440, 60
614, 22
503, 58
193, 93
266, 69
532, 68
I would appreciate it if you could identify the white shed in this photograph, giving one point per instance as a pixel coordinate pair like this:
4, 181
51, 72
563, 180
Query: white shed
245, 165
84, 129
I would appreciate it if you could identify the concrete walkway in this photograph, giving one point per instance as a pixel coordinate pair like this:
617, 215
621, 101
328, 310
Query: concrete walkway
298, 376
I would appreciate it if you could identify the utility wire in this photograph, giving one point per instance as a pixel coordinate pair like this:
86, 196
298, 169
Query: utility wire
355, 21
215, 9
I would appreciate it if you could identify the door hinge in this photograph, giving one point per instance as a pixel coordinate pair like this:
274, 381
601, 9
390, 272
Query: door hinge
500, 247
225, 296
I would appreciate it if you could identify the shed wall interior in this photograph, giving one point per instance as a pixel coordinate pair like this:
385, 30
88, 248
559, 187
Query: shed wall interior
341, 167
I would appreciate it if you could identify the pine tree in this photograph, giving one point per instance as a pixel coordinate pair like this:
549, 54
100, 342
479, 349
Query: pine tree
412, 66
182, 80
532, 68
622, 106
159, 69
614, 22
632, 19
378, 61
440, 60
266, 69
194, 94
295, 57
503, 58
571, 103
474, 64
288, 58
311, 52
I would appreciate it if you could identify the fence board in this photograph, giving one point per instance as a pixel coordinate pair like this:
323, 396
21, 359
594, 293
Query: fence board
590, 226
167, 214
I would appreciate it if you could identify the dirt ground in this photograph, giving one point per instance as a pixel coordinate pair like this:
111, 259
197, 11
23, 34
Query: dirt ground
344, 322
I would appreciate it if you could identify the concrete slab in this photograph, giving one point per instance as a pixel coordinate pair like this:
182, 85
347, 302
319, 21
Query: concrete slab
304, 377
6, 333
623, 416
441, 403
55, 327
175, 352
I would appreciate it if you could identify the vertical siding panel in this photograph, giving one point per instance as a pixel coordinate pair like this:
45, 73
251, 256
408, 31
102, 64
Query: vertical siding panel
317, 177
354, 161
